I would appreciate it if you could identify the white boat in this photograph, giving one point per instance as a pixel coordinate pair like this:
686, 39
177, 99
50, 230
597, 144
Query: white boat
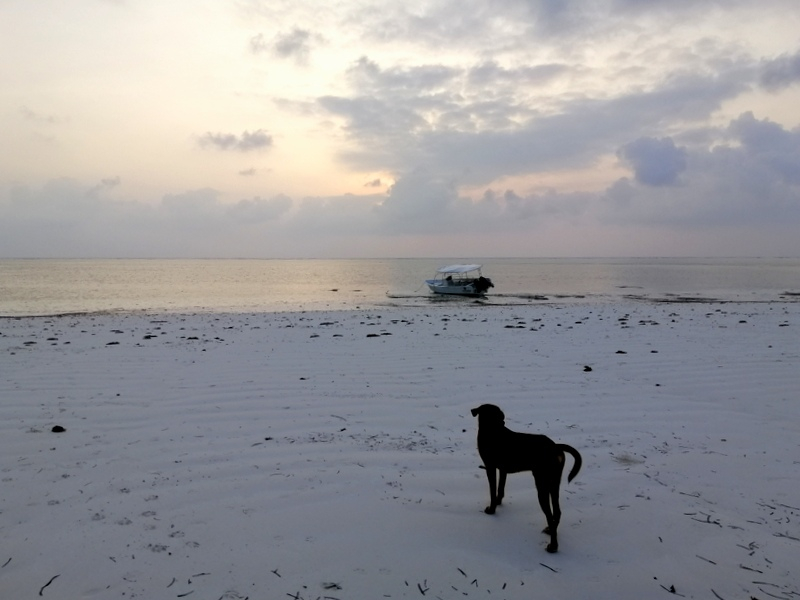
461, 280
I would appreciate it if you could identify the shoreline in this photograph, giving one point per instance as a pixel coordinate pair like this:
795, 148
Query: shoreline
435, 302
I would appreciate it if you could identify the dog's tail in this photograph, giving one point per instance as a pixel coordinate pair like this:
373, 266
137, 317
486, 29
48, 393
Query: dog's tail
578, 460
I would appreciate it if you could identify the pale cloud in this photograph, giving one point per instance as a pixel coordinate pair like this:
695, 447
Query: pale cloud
247, 141
41, 118
111, 182
107, 183
258, 44
491, 73
368, 77
295, 44
259, 210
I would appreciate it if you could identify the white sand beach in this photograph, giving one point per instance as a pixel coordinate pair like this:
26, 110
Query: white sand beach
333, 455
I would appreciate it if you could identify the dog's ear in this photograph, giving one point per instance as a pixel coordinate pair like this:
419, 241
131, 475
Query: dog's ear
475, 411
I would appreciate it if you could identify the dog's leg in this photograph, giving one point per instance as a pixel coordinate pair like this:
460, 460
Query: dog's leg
552, 483
555, 504
556, 519
491, 475
501, 487
543, 491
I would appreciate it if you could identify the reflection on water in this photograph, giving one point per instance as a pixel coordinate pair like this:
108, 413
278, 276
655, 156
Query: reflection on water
62, 286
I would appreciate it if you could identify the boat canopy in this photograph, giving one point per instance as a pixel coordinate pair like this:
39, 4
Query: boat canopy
459, 269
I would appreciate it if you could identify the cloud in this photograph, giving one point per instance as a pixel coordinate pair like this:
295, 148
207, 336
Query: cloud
258, 44
654, 161
419, 199
403, 118
511, 25
421, 202
769, 146
193, 204
749, 179
260, 210
367, 76
320, 217
248, 141
37, 117
781, 72
295, 44
744, 177
492, 73
508, 107
108, 183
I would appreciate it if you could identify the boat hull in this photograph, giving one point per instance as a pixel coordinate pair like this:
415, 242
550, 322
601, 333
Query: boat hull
437, 287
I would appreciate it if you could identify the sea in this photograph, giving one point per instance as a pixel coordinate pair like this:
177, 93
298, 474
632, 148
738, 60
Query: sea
46, 287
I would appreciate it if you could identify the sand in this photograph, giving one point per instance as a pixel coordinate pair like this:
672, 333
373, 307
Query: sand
332, 454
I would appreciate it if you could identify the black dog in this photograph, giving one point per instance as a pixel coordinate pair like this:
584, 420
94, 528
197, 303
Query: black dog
511, 452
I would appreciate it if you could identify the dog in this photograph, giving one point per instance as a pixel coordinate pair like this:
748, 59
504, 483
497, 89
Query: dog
509, 451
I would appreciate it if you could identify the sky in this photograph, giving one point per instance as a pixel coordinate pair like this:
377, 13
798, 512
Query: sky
423, 128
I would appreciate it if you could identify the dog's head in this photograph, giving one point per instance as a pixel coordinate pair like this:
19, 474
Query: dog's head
489, 414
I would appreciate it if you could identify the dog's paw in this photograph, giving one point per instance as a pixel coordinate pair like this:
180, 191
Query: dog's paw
489, 510
552, 548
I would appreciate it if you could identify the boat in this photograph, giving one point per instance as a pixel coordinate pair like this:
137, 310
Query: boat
460, 280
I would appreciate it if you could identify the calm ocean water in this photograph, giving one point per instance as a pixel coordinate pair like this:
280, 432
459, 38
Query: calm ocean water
49, 287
